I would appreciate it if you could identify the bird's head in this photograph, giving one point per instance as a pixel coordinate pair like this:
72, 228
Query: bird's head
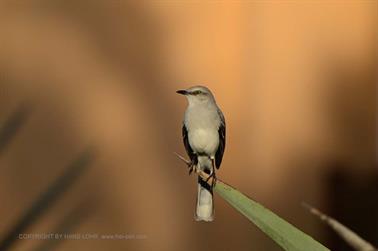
197, 95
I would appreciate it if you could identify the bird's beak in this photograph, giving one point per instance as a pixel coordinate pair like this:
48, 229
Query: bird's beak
182, 92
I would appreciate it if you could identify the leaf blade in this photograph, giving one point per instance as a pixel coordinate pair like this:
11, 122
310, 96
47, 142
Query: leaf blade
283, 233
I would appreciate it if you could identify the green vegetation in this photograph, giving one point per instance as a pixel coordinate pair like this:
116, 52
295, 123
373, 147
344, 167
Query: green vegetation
283, 233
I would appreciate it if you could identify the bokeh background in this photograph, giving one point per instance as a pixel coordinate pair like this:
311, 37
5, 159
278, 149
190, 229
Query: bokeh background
295, 80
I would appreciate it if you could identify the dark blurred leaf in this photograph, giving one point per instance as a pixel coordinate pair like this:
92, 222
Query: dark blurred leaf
12, 125
48, 197
69, 222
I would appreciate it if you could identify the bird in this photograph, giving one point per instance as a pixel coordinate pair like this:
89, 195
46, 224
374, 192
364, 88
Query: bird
204, 136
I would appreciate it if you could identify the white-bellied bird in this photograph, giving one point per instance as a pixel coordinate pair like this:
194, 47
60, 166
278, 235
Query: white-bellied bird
204, 134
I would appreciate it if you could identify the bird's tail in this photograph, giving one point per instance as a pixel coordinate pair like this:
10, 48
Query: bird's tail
205, 202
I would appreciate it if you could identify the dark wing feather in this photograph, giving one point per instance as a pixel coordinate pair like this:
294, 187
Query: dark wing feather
222, 141
188, 148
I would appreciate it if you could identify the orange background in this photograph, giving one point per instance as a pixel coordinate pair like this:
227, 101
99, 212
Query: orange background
295, 80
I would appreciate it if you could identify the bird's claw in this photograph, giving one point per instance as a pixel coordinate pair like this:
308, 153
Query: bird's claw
213, 178
191, 167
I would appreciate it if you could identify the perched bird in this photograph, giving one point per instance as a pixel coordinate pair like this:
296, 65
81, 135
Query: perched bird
204, 134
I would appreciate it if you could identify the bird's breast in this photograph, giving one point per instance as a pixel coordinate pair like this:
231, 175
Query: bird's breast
204, 140
203, 123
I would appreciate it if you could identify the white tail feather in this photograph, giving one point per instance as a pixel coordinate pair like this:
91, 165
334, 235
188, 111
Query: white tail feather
205, 205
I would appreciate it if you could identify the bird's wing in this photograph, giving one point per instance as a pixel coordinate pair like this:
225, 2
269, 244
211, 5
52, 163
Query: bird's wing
222, 141
189, 150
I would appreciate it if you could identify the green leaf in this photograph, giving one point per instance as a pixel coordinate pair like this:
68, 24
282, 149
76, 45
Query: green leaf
279, 230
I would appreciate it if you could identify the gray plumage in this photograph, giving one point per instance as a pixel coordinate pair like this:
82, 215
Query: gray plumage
204, 135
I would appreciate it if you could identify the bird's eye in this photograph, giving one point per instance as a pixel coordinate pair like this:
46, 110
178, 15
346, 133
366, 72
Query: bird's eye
196, 92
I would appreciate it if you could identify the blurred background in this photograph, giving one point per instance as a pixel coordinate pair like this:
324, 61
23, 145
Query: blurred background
89, 119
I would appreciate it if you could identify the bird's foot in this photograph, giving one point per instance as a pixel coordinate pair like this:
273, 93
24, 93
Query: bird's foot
213, 178
191, 167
